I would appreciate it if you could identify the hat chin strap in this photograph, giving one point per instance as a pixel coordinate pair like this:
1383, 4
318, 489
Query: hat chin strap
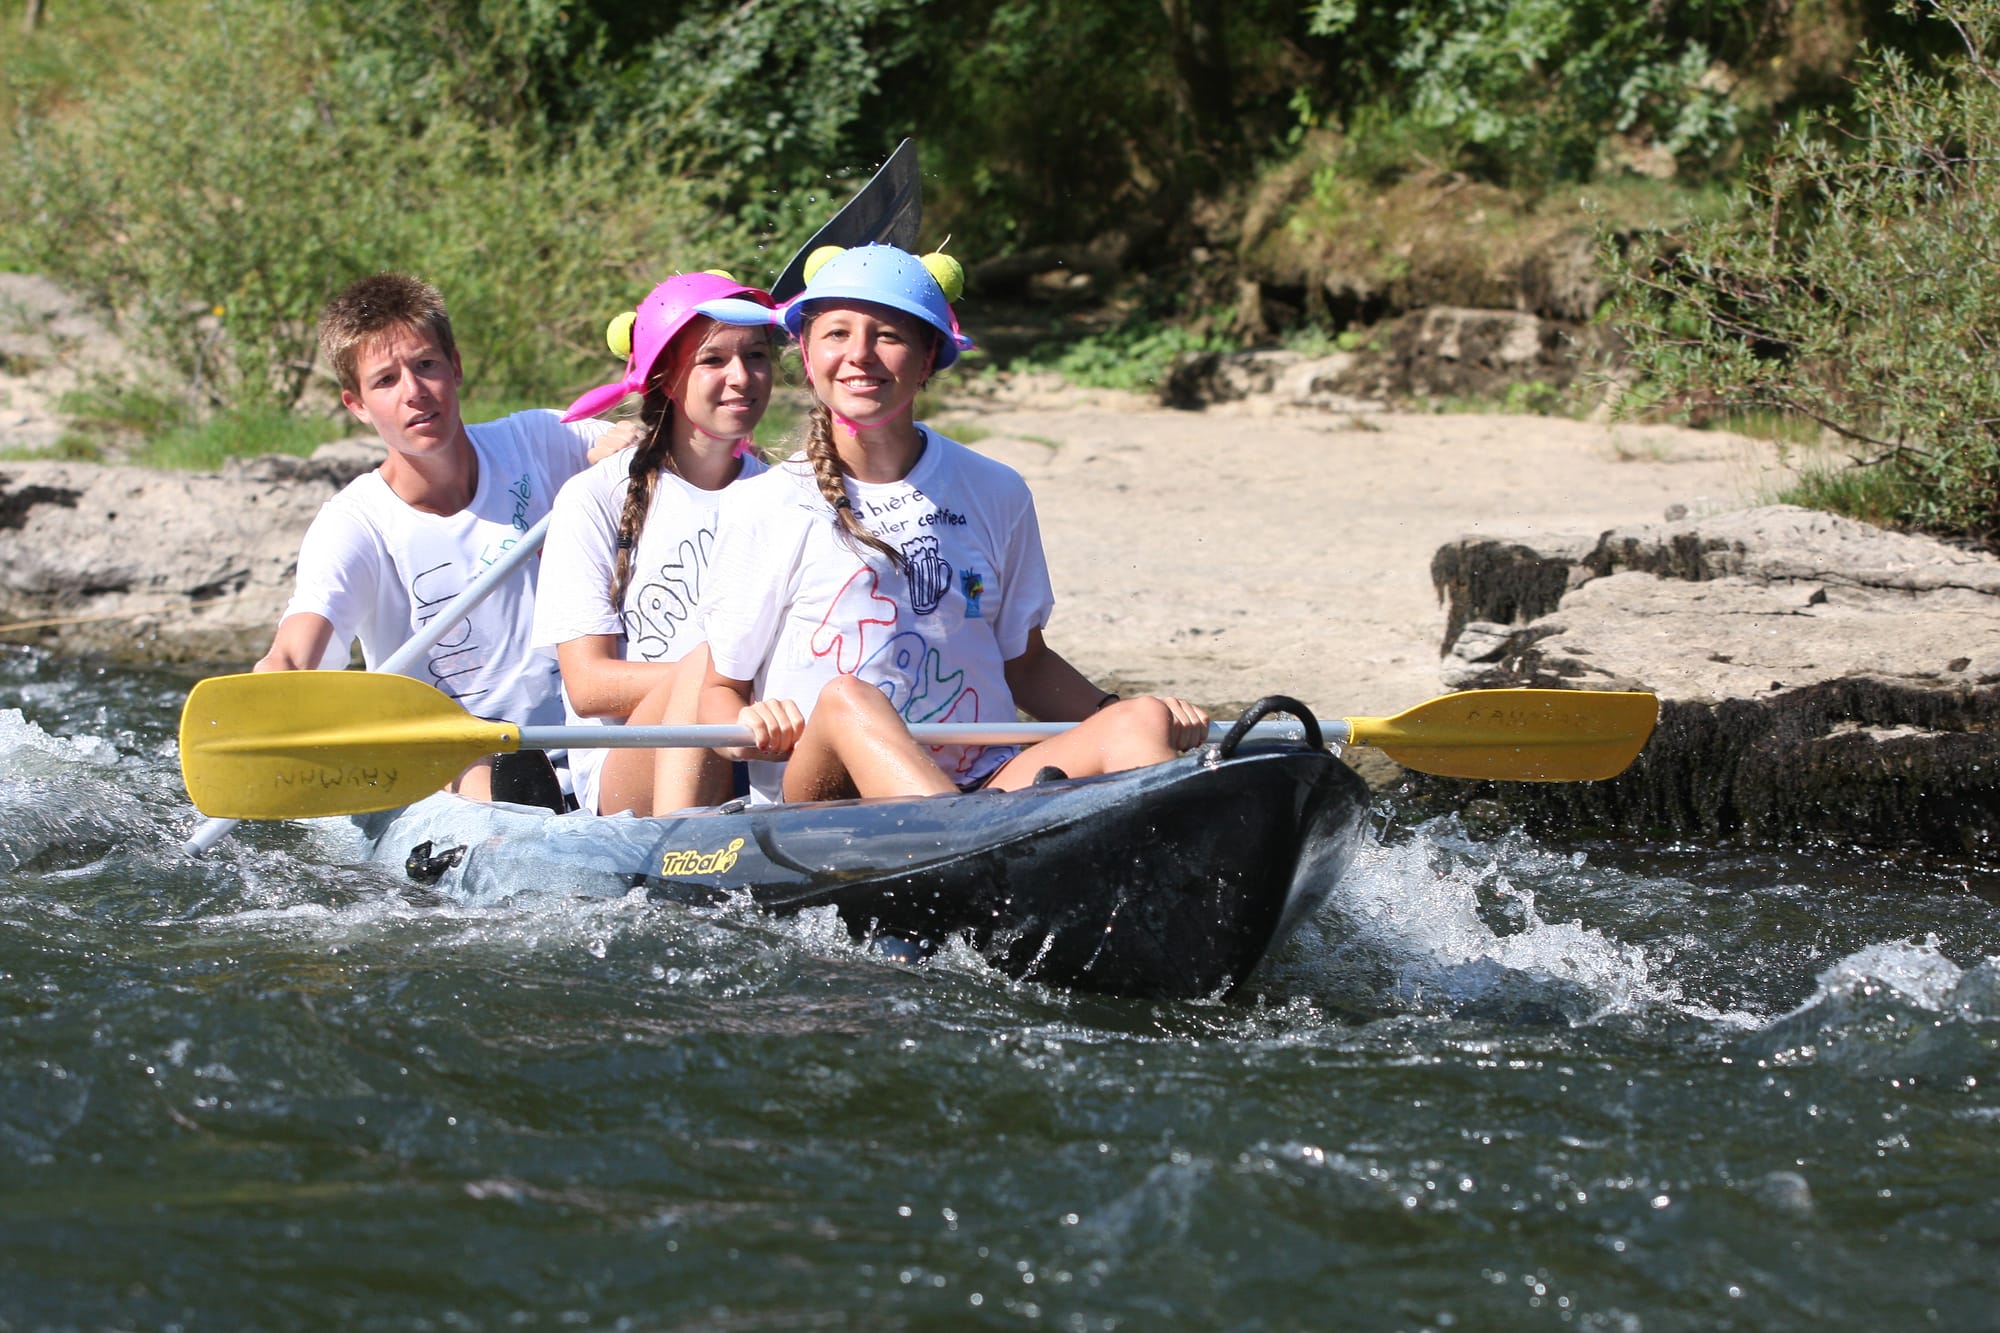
852, 427
741, 446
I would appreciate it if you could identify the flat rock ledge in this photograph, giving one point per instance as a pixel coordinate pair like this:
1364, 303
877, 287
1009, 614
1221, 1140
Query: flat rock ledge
140, 565
1819, 678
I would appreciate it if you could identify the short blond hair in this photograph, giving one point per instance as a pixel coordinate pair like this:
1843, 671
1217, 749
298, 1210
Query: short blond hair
373, 306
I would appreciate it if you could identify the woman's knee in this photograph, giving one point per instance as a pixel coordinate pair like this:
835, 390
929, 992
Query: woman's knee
1143, 718
849, 698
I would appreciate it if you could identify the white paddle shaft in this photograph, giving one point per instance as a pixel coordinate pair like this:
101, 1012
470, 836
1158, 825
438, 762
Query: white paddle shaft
930, 733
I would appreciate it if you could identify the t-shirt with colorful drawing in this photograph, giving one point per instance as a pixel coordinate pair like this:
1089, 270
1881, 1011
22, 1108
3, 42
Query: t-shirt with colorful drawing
793, 601
378, 570
668, 570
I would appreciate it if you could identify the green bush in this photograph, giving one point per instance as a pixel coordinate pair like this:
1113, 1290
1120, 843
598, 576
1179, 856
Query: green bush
219, 194
1134, 356
1531, 90
1856, 287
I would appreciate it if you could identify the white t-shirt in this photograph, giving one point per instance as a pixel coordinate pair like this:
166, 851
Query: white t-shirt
657, 621
378, 570
792, 603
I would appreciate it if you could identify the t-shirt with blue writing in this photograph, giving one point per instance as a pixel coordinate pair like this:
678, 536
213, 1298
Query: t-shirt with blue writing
378, 569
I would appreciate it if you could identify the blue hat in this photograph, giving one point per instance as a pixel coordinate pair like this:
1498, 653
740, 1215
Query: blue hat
881, 274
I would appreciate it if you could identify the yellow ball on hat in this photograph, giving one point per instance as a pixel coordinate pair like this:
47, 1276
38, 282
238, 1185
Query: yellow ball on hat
618, 333
817, 260
950, 274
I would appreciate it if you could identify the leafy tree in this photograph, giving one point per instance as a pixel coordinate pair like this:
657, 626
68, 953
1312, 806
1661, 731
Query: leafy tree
1858, 286
756, 94
1052, 121
1532, 88
273, 151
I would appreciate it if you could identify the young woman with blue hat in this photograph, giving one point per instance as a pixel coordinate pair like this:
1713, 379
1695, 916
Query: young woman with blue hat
625, 563
888, 575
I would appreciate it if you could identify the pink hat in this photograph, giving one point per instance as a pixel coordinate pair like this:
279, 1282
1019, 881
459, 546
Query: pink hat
664, 313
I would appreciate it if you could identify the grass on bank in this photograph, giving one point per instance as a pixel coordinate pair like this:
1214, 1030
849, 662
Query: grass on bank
1823, 479
1874, 495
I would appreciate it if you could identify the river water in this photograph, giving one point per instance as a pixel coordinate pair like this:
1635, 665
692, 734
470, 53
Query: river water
1502, 1084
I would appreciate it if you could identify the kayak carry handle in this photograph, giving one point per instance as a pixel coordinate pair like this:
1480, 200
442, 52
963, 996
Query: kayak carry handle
1255, 713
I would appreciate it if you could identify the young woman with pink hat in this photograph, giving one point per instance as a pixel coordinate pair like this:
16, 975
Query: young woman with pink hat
626, 561
888, 575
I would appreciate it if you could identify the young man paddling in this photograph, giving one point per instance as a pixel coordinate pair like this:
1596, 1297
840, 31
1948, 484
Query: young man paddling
397, 543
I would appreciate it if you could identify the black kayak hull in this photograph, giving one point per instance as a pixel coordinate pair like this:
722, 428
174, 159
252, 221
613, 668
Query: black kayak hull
1172, 881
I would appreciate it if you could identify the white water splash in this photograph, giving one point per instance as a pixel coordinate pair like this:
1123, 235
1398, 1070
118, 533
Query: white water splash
61, 801
1895, 1008
1412, 926
1908, 974
1918, 973
28, 751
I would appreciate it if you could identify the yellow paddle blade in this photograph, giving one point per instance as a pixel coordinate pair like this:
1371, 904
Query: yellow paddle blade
1516, 735
297, 744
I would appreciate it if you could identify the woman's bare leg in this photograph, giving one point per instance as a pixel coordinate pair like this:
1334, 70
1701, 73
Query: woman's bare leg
652, 782
857, 744
1129, 734
687, 776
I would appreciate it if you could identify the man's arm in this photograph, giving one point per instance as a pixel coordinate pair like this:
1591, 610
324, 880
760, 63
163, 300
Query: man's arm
300, 644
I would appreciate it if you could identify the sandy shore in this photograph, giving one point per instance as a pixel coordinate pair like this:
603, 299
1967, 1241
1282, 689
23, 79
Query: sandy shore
1227, 554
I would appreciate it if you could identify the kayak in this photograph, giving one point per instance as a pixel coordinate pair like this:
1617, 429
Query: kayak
1171, 881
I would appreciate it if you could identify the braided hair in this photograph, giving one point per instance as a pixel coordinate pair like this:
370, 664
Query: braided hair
654, 452
828, 470
651, 456
832, 488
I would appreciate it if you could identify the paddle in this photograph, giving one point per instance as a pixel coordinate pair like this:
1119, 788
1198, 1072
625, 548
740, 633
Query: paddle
889, 208
297, 744
214, 830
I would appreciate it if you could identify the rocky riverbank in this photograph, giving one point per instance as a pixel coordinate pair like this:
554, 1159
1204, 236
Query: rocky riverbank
135, 564
1818, 677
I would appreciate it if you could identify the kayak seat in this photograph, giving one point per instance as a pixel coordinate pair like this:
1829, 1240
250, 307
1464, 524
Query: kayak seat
527, 777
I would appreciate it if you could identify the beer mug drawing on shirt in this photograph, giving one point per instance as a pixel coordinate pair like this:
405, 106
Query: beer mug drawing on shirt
929, 574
